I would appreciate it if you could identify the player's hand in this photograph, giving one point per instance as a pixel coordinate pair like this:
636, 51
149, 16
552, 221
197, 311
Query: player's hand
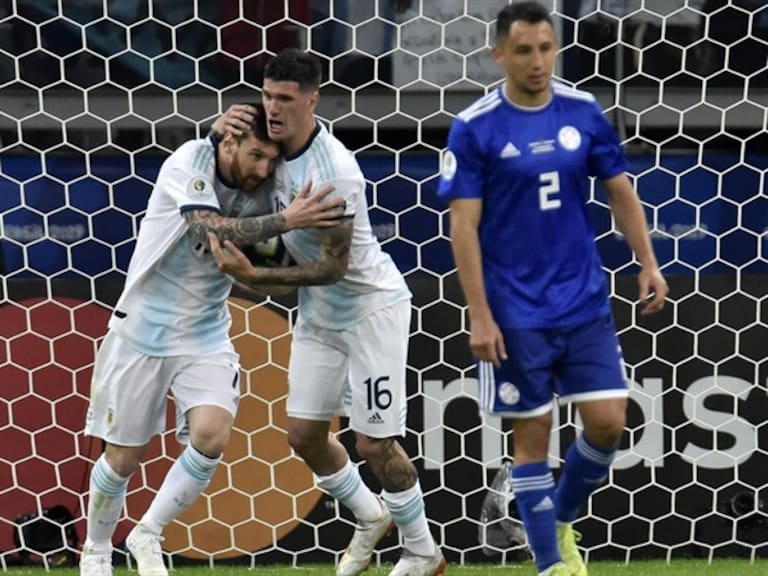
315, 211
230, 259
236, 120
487, 341
653, 290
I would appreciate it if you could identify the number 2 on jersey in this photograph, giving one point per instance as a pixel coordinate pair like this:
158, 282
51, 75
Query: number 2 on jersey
550, 186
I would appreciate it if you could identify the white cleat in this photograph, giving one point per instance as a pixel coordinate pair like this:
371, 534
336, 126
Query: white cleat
357, 556
145, 547
412, 565
94, 563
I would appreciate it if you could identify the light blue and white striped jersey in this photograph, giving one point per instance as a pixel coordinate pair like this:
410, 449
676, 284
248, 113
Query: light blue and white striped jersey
372, 281
174, 299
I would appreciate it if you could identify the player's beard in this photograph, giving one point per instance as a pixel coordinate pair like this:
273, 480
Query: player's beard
243, 183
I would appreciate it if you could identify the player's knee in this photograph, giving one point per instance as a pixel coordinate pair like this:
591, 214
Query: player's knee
210, 440
607, 432
304, 442
124, 460
368, 448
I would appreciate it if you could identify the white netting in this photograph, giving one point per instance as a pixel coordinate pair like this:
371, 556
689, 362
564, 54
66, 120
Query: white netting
94, 94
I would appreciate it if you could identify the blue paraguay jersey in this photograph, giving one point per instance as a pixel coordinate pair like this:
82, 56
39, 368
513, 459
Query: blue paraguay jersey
530, 168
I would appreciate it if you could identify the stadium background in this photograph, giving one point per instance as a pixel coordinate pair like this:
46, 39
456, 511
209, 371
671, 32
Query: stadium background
93, 96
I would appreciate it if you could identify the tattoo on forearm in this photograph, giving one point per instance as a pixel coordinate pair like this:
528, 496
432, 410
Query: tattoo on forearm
329, 268
239, 231
392, 467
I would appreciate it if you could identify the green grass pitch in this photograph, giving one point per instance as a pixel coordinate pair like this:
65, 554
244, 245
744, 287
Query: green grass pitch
636, 568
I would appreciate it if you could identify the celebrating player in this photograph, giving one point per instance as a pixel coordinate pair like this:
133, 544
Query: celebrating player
170, 331
516, 174
351, 339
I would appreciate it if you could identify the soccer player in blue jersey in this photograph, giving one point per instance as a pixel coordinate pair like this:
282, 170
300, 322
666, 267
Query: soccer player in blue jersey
516, 173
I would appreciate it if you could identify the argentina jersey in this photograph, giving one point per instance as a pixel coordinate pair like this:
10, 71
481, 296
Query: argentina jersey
531, 168
174, 299
372, 280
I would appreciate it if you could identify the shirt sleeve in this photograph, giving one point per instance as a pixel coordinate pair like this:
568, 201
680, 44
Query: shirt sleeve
462, 174
188, 179
606, 156
347, 191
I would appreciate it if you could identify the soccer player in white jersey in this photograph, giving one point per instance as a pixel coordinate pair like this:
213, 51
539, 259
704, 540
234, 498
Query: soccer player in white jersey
351, 337
516, 173
170, 332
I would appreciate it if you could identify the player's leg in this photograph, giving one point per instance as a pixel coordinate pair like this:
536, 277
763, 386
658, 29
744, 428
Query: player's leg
126, 409
592, 376
206, 391
378, 355
318, 373
522, 389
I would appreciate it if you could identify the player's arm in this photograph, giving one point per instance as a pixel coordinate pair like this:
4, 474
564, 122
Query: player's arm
305, 211
485, 339
329, 268
256, 292
631, 222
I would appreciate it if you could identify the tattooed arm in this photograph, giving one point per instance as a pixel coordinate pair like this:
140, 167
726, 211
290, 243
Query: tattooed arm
305, 211
240, 231
330, 267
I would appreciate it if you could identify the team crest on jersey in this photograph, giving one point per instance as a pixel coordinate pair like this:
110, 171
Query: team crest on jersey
449, 165
569, 138
509, 394
197, 188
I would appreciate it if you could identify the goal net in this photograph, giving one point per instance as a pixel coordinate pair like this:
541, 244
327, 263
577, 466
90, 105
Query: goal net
95, 94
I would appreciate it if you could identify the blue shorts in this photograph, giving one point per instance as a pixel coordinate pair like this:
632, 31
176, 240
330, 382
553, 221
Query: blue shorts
578, 363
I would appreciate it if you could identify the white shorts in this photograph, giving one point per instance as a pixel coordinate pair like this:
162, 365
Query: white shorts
129, 391
358, 372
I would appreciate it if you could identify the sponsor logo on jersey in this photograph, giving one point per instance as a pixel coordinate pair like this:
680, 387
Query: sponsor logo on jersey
509, 151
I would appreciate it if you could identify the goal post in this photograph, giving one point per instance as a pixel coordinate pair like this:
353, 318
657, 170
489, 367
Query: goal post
95, 94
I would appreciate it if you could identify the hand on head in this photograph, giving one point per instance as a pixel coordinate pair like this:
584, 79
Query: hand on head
235, 120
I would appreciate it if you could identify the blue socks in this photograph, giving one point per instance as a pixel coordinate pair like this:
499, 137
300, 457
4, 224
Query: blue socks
586, 467
534, 490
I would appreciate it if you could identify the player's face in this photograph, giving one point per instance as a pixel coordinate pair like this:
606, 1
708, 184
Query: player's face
527, 55
253, 160
290, 112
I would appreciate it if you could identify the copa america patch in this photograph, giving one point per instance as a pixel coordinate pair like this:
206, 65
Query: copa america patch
197, 188
509, 394
569, 138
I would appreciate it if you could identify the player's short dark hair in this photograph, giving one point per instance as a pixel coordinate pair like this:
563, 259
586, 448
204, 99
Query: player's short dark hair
530, 12
258, 126
295, 66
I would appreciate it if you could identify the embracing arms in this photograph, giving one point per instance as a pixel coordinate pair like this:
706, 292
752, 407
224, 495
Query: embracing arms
304, 211
330, 266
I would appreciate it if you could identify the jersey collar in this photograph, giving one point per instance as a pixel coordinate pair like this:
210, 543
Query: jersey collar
307, 144
521, 107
